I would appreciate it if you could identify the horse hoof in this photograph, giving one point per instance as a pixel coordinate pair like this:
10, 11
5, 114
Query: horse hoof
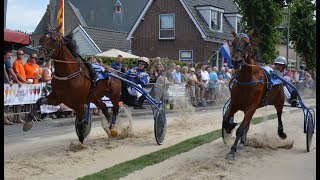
27, 126
230, 156
81, 140
240, 146
114, 133
283, 135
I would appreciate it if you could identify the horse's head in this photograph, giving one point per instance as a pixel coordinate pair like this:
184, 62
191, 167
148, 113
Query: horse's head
240, 48
49, 43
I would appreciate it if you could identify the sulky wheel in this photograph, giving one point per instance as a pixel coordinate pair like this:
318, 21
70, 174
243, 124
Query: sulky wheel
160, 125
310, 130
83, 129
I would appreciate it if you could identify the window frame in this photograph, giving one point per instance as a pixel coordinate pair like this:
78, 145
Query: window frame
173, 29
185, 59
219, 19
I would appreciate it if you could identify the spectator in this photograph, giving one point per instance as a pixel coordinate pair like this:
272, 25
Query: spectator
170, 71
6, 120
201, 86
46, 77
32, 70
93, 60
228, 73
141, 78
204, 75
118, 64
184, 75
9, 70
6, 77
223, 73
21, 75
19, 69
176, 75
161, 88
194, 89
158, 65
301, 75
213, 82
295, 75
222, 88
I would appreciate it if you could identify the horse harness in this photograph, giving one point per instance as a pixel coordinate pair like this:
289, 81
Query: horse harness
267, 82
79, 59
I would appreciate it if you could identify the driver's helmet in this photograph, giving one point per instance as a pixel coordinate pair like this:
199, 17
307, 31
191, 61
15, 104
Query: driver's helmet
280, 60
144, 59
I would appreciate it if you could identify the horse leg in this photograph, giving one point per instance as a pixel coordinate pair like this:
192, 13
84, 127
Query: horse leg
243, 140
226, 124
31, 115
241, 131
79, 122
281, 134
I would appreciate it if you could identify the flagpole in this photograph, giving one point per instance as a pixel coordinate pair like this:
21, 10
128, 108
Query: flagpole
213, 54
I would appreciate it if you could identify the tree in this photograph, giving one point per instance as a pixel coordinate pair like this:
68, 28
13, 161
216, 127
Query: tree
303, 30
264, 16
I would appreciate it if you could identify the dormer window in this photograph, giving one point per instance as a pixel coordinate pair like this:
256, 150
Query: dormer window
213, 17
235, 21
118, 7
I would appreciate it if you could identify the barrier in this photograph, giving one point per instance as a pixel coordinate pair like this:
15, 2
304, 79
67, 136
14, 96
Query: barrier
24, 94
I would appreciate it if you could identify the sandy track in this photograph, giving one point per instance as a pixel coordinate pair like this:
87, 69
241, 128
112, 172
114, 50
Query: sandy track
51, 157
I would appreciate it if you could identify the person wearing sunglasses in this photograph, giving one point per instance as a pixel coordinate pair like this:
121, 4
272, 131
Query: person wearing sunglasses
19, 69
32, 69
141, 78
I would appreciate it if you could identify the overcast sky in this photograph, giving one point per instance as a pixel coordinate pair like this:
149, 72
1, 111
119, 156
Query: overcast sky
25, 15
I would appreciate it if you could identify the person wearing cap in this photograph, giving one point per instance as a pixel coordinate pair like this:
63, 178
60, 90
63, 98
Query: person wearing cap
194, 88
118, 64
279, 67
141, 78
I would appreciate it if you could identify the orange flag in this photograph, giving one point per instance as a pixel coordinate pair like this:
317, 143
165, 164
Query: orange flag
60, 16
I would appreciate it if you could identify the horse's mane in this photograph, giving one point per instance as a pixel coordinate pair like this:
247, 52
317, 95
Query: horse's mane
72, 45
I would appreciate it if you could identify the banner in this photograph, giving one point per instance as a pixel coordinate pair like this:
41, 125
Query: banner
176, 90
26, 94
225, 51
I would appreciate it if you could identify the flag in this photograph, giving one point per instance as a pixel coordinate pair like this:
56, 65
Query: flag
60, 16
225, 51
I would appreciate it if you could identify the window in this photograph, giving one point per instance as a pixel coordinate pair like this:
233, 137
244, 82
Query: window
216, 18
186, 55
238, 25
166, 26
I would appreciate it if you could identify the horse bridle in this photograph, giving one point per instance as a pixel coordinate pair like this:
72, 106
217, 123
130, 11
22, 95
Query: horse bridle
244, 53
58, 38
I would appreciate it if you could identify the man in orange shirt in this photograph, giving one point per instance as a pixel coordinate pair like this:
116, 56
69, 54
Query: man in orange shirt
32, 70
18, 68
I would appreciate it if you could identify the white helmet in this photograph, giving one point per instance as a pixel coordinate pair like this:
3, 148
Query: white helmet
280, 60
144, 59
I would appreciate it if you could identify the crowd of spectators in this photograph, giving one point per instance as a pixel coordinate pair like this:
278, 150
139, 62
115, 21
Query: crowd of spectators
203, 84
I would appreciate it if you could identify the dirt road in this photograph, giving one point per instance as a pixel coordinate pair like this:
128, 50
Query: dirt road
52, 157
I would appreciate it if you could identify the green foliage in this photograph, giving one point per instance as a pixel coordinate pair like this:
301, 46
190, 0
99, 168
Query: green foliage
264, 17
303, 30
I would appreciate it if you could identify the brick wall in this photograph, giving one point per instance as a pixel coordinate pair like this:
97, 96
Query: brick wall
146, 41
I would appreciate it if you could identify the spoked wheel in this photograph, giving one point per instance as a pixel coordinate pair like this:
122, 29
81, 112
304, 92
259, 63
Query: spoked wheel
310, 130
83, 129
160, 125
224, 133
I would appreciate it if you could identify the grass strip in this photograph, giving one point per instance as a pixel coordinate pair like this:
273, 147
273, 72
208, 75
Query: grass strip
123, 169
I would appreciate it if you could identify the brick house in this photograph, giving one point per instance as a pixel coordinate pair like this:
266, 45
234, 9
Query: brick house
186, 30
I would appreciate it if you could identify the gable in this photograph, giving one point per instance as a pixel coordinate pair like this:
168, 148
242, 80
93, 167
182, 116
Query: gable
190, 6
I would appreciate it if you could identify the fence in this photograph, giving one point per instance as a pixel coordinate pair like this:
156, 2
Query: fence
28, 94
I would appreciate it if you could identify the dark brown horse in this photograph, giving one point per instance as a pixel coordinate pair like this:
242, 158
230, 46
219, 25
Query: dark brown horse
249, 91
72, 83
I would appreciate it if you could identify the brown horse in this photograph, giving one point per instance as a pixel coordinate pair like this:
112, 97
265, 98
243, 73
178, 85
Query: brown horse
72, 83
249, 92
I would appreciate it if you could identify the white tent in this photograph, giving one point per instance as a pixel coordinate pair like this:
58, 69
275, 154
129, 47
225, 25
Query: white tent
115, 53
